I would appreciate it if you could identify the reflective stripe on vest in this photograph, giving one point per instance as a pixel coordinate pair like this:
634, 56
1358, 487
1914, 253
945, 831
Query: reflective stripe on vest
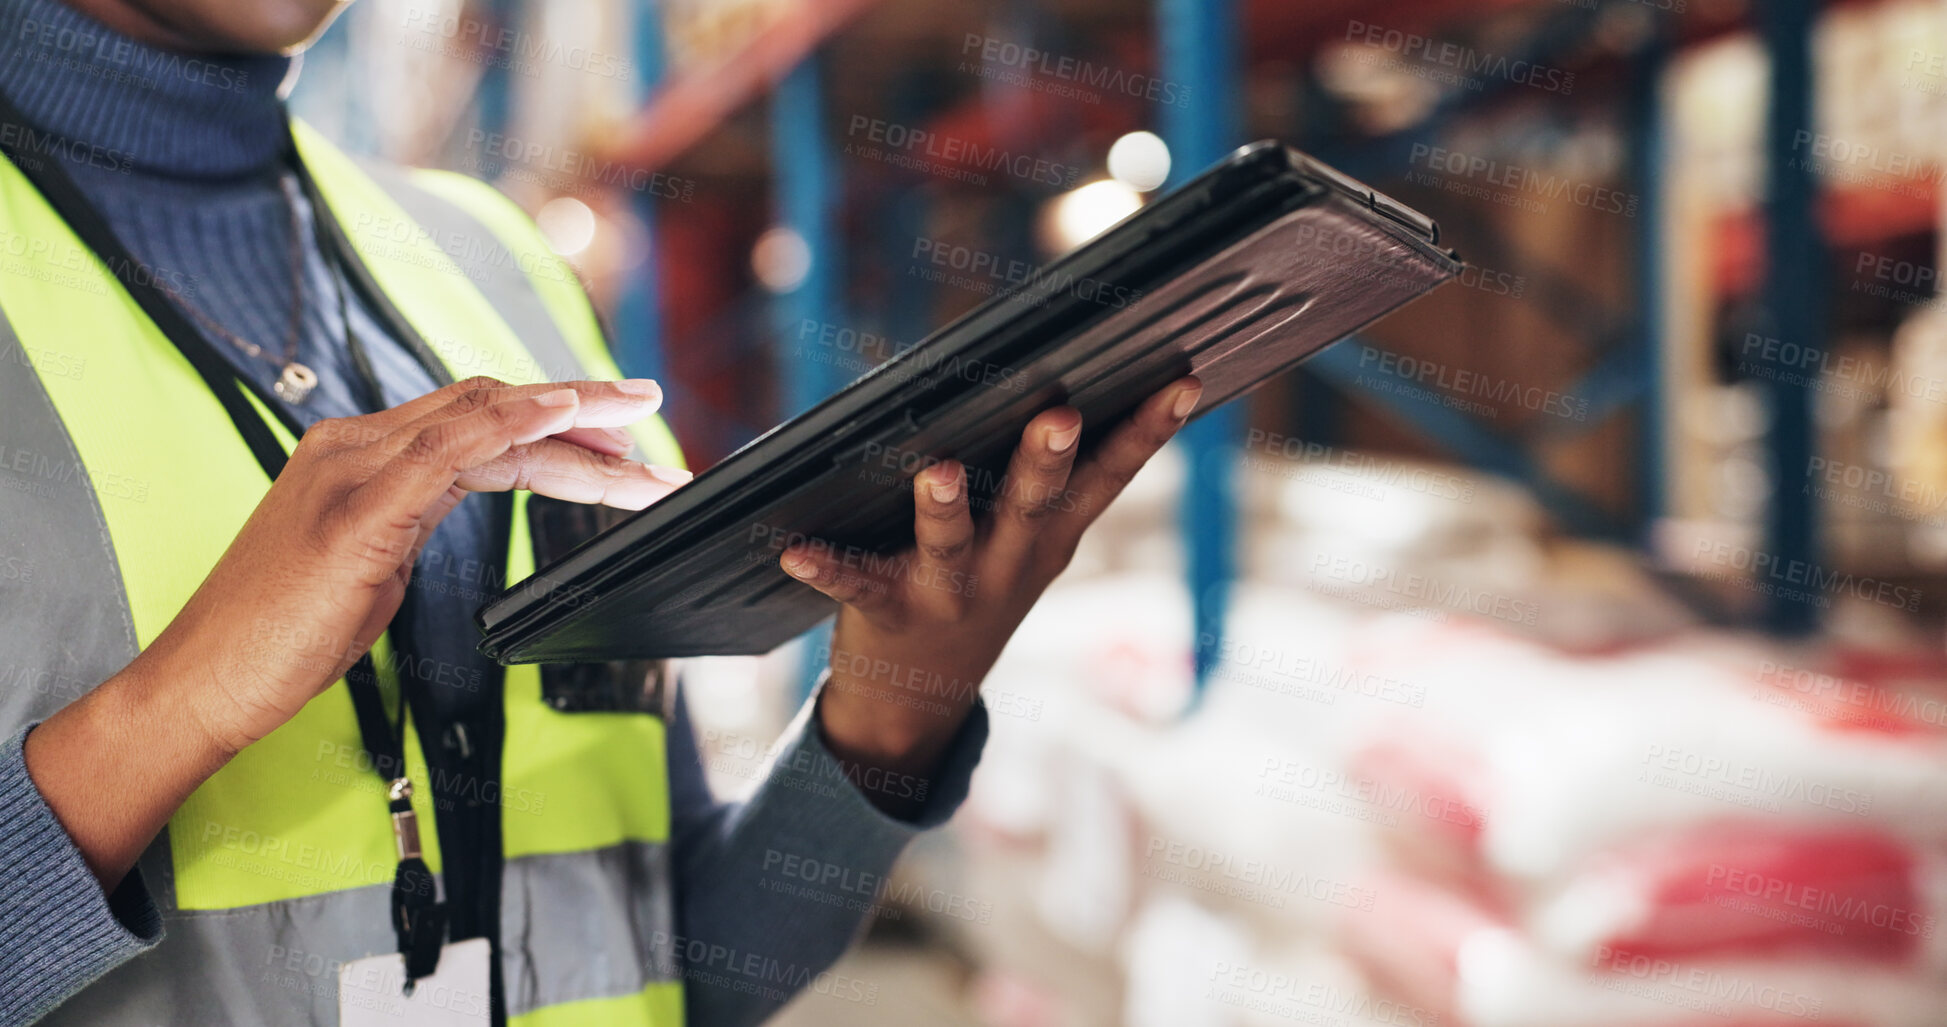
277, 870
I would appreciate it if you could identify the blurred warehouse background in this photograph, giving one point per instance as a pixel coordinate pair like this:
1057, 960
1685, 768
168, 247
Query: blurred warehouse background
1567, 651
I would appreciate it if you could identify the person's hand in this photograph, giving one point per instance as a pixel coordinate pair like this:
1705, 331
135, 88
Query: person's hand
917, 633
323, 563
313, 578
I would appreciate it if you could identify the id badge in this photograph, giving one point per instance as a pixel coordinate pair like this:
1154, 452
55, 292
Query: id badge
371, 991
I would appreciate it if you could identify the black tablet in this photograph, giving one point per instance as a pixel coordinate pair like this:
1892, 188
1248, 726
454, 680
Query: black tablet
1238, 275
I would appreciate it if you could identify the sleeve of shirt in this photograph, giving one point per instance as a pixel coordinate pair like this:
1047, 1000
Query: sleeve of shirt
772, 890
58, 932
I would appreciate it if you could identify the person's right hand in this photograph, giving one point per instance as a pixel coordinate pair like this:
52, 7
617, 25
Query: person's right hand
323, 563
311, 581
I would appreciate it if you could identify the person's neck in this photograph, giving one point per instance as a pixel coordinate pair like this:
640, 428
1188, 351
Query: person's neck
136, 105
139, 24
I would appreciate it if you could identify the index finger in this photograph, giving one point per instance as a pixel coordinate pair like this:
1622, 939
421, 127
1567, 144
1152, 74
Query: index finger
599, 404
603, 404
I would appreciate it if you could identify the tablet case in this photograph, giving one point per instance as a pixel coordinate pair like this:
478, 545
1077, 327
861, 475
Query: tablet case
1240, 275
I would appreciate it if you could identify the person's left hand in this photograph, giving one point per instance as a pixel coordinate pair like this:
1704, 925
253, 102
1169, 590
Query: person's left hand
919, 631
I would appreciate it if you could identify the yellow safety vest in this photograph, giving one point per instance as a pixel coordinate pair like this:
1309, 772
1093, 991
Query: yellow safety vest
122, 480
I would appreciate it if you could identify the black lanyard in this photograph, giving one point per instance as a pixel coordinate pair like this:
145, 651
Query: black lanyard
418, 919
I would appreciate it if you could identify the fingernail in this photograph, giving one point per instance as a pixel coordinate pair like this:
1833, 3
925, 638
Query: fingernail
670, 475
1059, 441
1186, 402
945, 491
639, 386
796, 565
557, 398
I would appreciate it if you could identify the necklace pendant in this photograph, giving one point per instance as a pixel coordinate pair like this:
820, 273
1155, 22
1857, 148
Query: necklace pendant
295, 383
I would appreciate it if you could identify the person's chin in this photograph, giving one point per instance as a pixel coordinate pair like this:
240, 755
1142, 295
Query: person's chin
253, 26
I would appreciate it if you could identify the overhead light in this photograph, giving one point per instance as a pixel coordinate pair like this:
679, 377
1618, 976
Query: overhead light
1075, 217
1140, 160
567, 224
781, 259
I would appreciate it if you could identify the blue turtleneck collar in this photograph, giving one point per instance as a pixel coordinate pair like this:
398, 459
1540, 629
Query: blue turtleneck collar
174, 115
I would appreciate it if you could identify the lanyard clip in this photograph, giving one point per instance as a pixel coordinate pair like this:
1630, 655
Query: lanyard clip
418, 919
405, 823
